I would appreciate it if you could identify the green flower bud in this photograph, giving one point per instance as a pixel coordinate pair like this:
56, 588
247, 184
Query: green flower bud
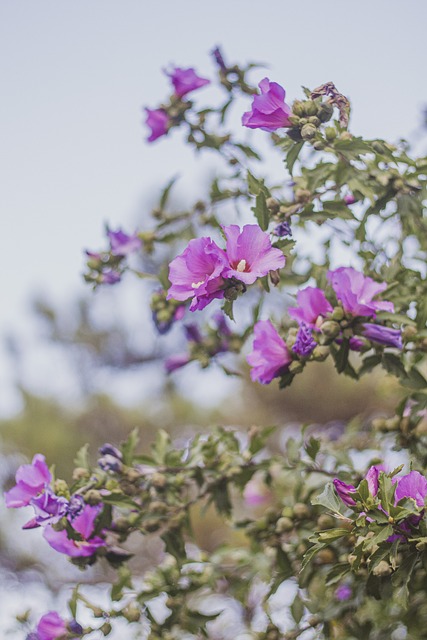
158, 480
294, 120
325, 556
298, 108
325, 111
325, 522
284, 524
314, 120
60, 487
330, 328
92, 497
311, 108
308, 131
320, 353
303, 121
301, 511
330, 133
346, 135
319, 145
337, 314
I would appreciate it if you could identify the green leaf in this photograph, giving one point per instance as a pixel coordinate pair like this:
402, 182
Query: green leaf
72, 603
262, 214
123, 581
331, 534
328, 498
337, 573
128, 447
161, 446
297, 609
340, 355
82, 457
166, 192
174, 544
292, 155
284, 564
312, 447
393, 364
415, 380
255, 185
227, 307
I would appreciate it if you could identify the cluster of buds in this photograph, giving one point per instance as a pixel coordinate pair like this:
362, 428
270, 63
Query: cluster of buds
107, 267
307, 117
165, 312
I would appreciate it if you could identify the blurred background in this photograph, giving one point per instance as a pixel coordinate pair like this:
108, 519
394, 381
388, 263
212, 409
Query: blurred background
79, 367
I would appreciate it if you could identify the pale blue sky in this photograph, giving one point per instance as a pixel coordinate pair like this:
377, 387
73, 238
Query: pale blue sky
75, 75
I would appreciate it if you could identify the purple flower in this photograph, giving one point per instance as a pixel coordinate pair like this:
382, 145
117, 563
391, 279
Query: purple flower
110, 463
75, 506
384, 335
197, 273
218, 57
176, 362
344, 491
349, 199
270, 356
304, 344
31, 479
49, 508
51, 627
122, 244
158, 121
357, 291
250, 254
186, 80
282, 229
413, 485
269, 110
356, 344
343, 592
82, 524
109, 276
312, 307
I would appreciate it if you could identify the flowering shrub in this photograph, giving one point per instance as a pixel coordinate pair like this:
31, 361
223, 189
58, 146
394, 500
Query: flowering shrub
352, 552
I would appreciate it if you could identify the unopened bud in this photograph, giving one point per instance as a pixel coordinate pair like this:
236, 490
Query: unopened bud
330, 329
330, 133
298, 108
158, 480
301, 510
320, 353
273, 205
294, 120
284, 524
319, 145
325, 556
314, 120
382, 569
308, 131
337, 314
80, 473
325, 522
346, 135
92, 497
311, 108
325, 111
409, 332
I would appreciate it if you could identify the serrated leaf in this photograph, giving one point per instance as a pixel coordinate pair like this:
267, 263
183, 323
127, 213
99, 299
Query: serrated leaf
128, 447
82, 457
328, 498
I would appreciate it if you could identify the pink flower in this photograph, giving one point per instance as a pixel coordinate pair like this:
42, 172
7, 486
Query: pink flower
51, 627
270, 356
269, 110
383, 335
158, 121
83, 524
197, 273
250, 254
312, 307
31, 479
122, 244
357, 291
413, 485
186, 80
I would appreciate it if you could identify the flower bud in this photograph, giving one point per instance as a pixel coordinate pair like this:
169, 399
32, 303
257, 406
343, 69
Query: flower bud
314, 120
273, 205
158, 480
319, 145
60, 487
301, 511
330, 328
382, 569
409, 332
325, 556
308, 131
110, 463
310, 108
92, 497
298, 108
80, 473
330, 133
320, 353
325, 111
325, 521
284, 524
294, 120
346, 135
337, 314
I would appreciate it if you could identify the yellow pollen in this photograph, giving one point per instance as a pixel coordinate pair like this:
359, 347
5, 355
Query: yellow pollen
241, 266
196, 285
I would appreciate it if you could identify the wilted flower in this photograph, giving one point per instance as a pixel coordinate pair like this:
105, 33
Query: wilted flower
123, 244
197, 273
383, 335
158, 121
250, 254
270, 356
186, 80
282, 229
312, 307
269, 110
357, 291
